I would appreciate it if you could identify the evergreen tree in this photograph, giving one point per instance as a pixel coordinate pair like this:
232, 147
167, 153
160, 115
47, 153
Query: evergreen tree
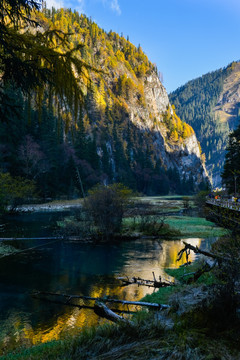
231, 172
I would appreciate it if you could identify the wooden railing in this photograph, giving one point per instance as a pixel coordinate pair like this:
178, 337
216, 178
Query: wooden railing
228, 204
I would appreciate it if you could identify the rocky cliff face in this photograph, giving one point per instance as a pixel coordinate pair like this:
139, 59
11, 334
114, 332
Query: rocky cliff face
184, 155
129, 131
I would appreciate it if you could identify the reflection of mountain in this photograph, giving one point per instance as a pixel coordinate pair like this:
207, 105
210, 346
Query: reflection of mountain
89, 270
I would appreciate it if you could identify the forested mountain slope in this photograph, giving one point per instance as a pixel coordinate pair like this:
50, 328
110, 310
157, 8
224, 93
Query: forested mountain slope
211, 104
127, 131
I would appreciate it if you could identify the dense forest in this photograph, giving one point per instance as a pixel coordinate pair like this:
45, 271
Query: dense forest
66, 147
202, 103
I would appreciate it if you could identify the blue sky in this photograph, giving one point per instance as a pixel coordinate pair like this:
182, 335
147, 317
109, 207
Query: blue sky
185, 38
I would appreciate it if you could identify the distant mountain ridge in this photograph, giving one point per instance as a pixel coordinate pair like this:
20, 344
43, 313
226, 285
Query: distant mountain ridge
211, 105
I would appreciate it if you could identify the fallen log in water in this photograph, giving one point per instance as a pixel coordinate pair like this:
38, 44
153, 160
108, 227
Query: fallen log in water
32, 238
143, 282
80, 306
69, 298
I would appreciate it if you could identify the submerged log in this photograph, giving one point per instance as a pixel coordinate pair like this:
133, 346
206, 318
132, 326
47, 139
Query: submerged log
107, 300
80, 306
31, 238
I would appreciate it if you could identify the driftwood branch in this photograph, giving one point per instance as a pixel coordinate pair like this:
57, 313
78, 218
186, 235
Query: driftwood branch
196, 250
102, 310
208, 265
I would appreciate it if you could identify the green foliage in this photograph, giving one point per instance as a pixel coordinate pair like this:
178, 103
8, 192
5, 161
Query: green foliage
14, 191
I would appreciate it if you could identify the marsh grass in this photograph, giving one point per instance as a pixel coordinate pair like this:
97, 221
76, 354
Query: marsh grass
150, 225
194, 226
175, 227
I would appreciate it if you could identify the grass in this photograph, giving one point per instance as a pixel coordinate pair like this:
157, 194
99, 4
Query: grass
142, 339
150, 226
96, 341
180, 227
180, 274
166, 203
194, 226
162, 295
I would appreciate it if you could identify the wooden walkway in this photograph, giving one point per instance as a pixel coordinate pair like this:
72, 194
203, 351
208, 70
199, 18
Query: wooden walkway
227, 204
226, 213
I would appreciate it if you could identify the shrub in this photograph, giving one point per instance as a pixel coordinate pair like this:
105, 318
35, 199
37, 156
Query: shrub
14, 191
106, 205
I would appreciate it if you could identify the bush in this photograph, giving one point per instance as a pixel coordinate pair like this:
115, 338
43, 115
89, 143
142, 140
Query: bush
14, 191
106, 205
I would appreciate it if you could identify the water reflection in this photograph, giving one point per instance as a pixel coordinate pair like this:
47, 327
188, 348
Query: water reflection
74, 269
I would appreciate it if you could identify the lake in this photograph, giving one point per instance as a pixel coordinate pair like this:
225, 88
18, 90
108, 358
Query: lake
72, 268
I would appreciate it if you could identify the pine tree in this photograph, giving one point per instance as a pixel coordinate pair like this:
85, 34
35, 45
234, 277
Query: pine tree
231, 172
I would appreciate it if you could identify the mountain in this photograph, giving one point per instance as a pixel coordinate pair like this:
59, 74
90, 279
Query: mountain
127, 131
211, 105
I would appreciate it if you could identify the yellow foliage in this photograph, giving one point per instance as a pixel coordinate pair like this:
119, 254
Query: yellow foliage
112, 62
100, 96
174, 135
120, 56
187, 131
